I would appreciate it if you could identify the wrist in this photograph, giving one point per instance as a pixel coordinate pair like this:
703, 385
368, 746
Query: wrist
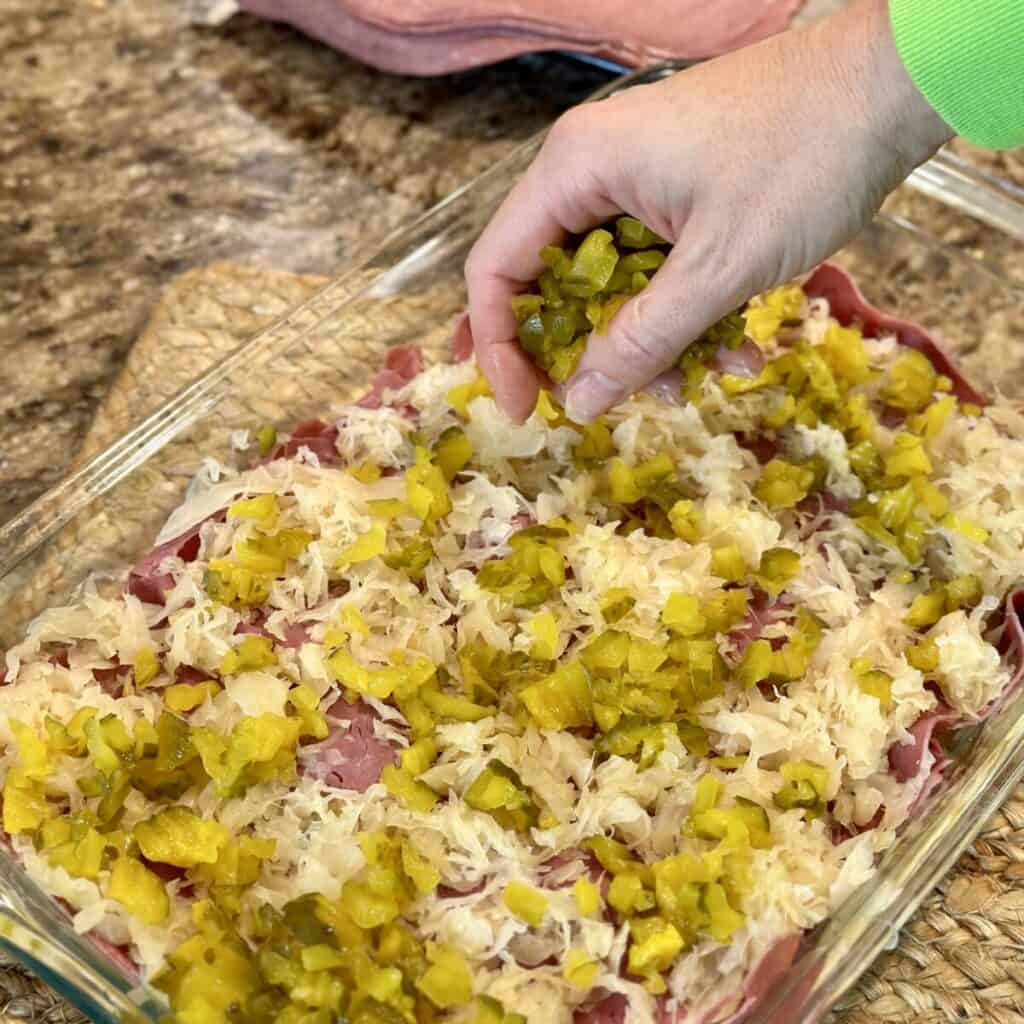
871, 70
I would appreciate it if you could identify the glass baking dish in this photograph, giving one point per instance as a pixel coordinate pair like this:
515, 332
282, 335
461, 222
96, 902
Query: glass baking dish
320, 356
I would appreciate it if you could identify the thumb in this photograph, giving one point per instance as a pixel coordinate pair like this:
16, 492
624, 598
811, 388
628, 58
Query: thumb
644, 339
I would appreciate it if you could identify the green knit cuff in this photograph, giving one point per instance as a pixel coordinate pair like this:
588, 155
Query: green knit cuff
967, 58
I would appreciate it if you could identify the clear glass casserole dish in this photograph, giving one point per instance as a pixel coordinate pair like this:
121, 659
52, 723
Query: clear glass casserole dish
319, 357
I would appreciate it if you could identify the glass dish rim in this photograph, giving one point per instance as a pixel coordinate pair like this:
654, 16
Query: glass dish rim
89, 980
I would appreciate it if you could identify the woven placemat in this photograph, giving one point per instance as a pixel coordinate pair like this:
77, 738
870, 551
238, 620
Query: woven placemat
960, 960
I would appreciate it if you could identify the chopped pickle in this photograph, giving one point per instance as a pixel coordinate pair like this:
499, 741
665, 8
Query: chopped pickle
490, 1011
907, 457
910, 383
865, 461
366, 546
258, 749
498, 791
145, 667
419, 756
587, 897
971, 531
140, 891
873, 682
105, 756
627, 894
923, 656
253, 653
454, 707
765, 317
527, 903
593, 263
783, 484
935, 503
778, 566
448, 980
632, 234
757, 663
622, 485
963, 592
423, 875
412, 558
562, 700
724, 609
183, 697
544, 630
580, 969
176, 836
80, 855
366, 472
313, 722
452, 452
779, 415
723, 919
412, 793
926, 609
616, 604
843, 349
682, 615
263, 509
805, 786
616, 858
685, 520
706, 796
238, 862
25, 807
930, 422
33, 754
530, 573
427, 489
266, 439
608, 650
583, 287
461, 395
644, 656
654, 945
597, 443
727, 563
227, 583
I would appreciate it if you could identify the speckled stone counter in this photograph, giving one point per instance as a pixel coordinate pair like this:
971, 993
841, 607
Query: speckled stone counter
134, 145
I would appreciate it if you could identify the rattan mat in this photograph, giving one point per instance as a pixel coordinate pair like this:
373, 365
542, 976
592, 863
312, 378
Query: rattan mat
961, 959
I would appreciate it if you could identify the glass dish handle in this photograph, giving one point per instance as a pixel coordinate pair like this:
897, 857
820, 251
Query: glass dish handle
961, 186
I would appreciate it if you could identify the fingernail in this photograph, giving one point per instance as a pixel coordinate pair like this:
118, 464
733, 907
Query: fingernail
590, 395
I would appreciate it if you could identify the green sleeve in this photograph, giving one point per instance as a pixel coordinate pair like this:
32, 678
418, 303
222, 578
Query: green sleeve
967, 58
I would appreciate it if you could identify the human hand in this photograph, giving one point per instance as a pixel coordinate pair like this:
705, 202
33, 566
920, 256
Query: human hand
756, 166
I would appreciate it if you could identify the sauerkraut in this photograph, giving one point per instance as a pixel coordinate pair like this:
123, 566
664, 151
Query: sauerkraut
420, 716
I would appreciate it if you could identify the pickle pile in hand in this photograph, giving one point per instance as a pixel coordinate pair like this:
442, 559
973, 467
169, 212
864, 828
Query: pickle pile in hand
582, 288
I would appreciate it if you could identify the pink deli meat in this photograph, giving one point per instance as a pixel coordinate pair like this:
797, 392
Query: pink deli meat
352, 756
318, 437
431, 37
146, 581
401, 365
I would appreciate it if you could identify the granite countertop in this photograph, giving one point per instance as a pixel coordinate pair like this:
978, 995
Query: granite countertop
134, 146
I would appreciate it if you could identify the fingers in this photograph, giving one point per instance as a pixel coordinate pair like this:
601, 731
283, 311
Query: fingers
559, 194
645, 338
